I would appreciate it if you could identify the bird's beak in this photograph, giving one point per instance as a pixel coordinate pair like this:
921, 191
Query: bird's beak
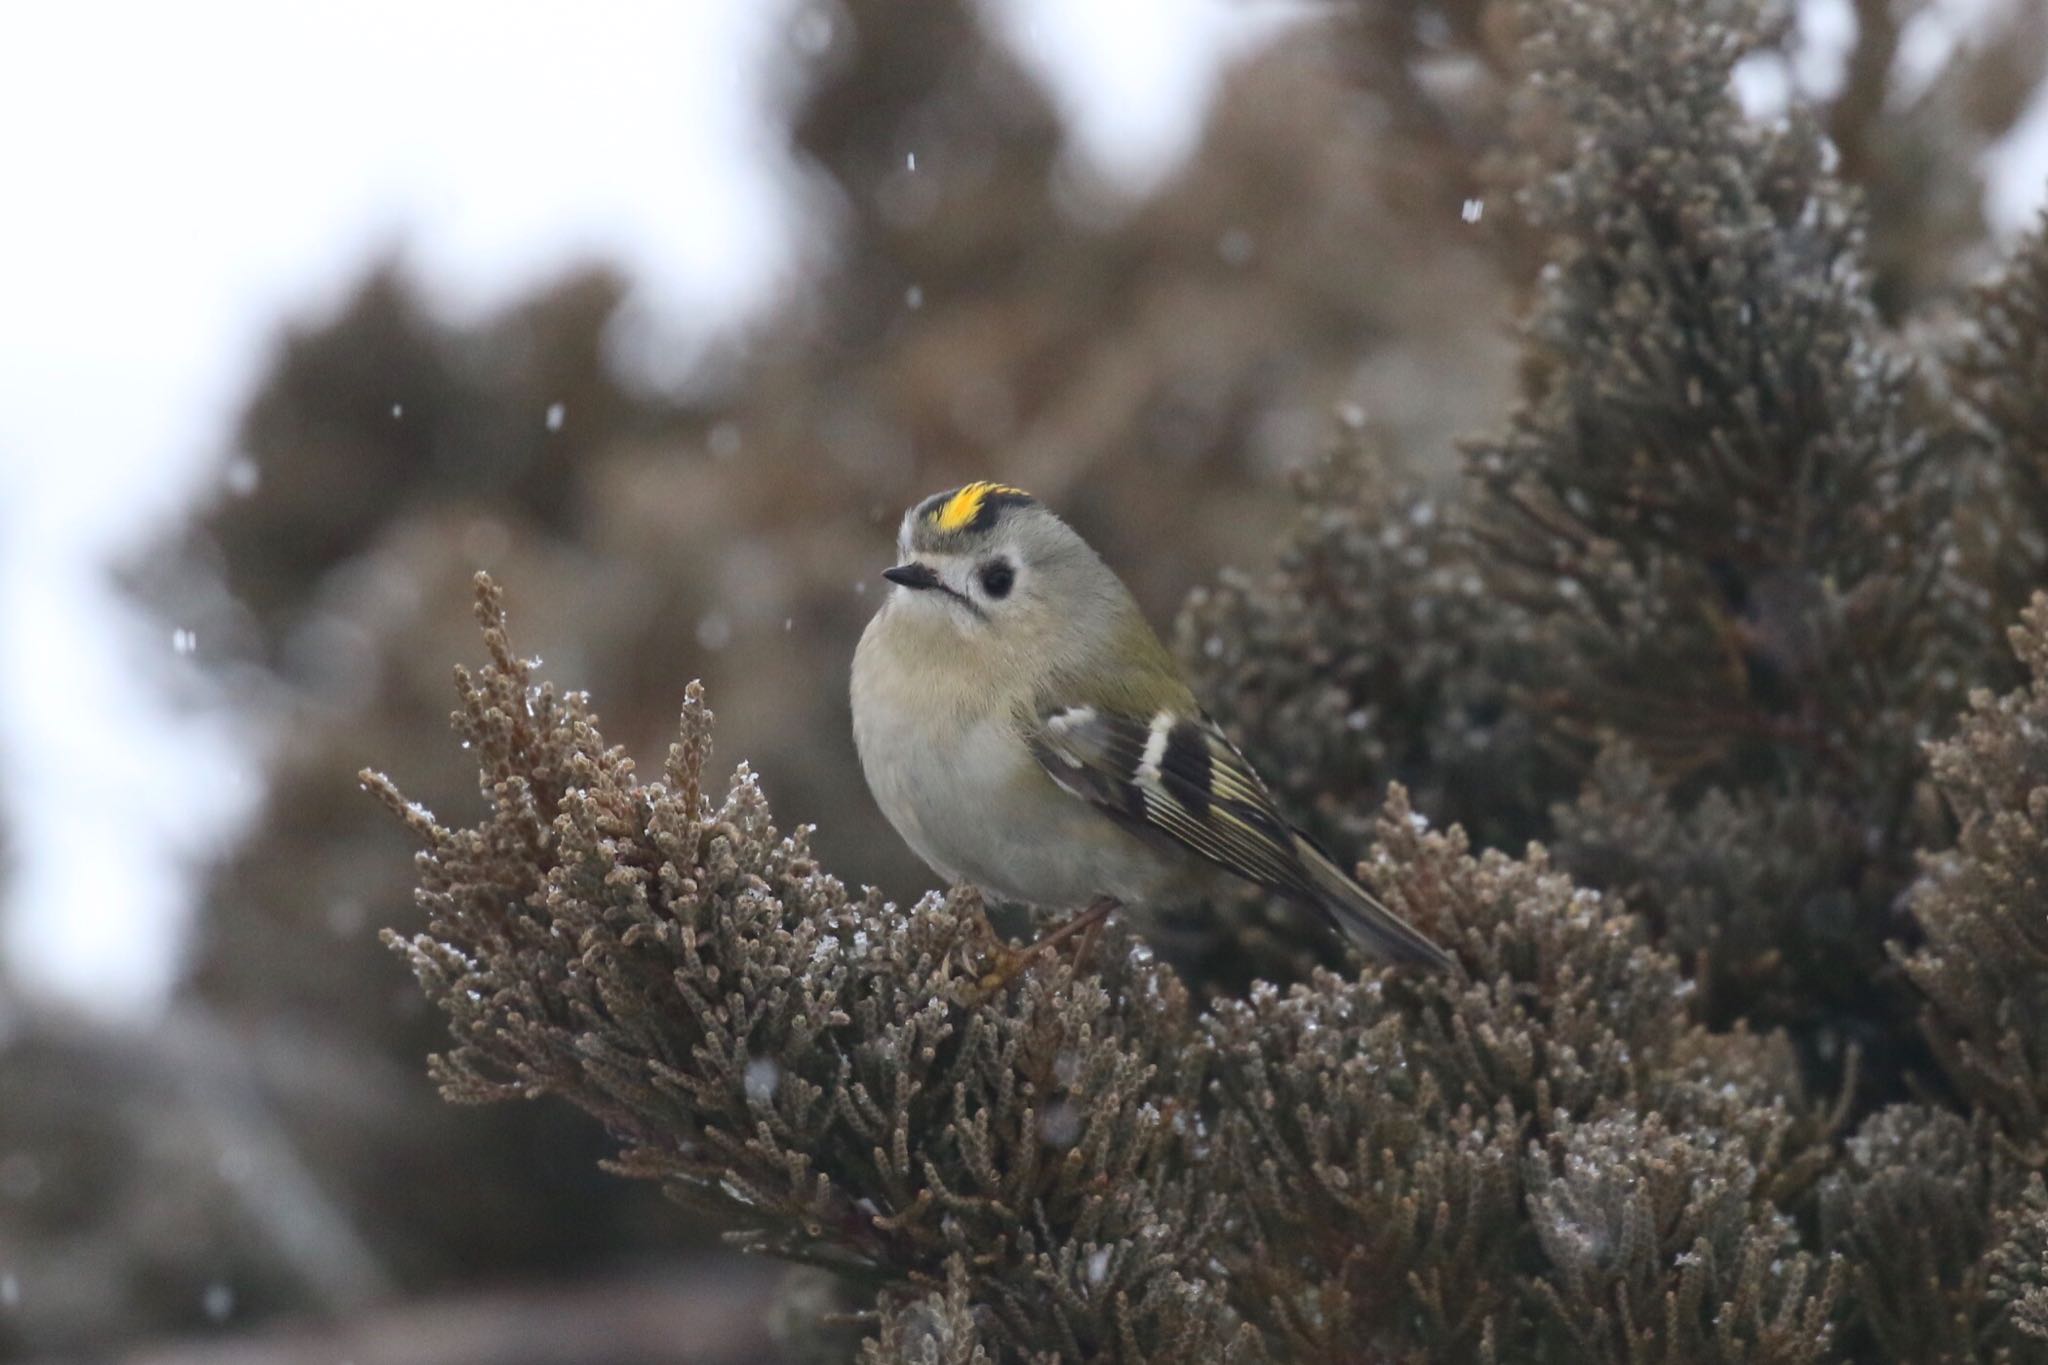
913, 575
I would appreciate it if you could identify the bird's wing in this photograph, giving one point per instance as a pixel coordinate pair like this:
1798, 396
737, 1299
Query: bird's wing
1174, 775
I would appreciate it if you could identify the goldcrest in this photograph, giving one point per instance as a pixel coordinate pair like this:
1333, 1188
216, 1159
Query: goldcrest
1026, 732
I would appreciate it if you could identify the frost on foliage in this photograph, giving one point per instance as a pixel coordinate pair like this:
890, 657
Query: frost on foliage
2002, 379
1984, 965
1371, 653
1377, 1129
1696, 624
1074, 1167
1716, 504
2017, 1281
1944, 1213
1717, 875
637, 947
931, 1329
1659, 1248
1915, 1205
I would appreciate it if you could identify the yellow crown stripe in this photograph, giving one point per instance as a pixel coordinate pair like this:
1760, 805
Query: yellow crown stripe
965, 505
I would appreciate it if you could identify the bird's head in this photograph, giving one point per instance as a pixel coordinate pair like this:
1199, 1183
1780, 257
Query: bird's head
990, 559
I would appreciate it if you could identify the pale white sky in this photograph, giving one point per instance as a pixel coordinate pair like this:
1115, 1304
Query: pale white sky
181, 178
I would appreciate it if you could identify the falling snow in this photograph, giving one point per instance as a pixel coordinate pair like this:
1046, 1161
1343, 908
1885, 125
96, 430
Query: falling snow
764, 1078
1060, 1124
812, 32
241, 476
714, 631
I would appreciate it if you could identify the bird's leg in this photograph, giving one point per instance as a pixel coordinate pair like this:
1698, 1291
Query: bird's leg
1010, 961
1086, 923
1084, 951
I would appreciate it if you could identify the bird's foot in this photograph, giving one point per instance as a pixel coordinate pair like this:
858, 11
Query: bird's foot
1010, 962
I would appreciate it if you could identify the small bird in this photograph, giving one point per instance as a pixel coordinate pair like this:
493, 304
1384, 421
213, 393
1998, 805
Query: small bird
1025, 731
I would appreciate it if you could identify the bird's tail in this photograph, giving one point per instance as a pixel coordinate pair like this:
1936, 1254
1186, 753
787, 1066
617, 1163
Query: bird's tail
1378, 931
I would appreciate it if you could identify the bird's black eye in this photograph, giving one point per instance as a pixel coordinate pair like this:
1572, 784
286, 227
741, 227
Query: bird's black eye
997, 578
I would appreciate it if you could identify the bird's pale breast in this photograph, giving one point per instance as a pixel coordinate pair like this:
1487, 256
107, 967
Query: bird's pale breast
952, 773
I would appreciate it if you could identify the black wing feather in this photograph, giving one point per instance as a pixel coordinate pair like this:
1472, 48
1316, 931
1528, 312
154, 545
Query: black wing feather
1176, 778
1199, 793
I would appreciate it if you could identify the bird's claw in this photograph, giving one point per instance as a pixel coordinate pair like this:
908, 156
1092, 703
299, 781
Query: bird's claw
1009, 963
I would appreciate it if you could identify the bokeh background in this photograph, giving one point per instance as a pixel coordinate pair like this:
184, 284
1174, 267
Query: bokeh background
661, 314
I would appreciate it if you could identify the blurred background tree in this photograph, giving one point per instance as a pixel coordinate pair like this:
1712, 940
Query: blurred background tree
1341, 259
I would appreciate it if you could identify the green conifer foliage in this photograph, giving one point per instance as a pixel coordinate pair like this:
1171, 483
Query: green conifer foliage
1749, 1064
1715, 503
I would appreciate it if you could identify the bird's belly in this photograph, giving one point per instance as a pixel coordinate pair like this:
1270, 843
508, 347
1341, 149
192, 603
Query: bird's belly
982, 811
